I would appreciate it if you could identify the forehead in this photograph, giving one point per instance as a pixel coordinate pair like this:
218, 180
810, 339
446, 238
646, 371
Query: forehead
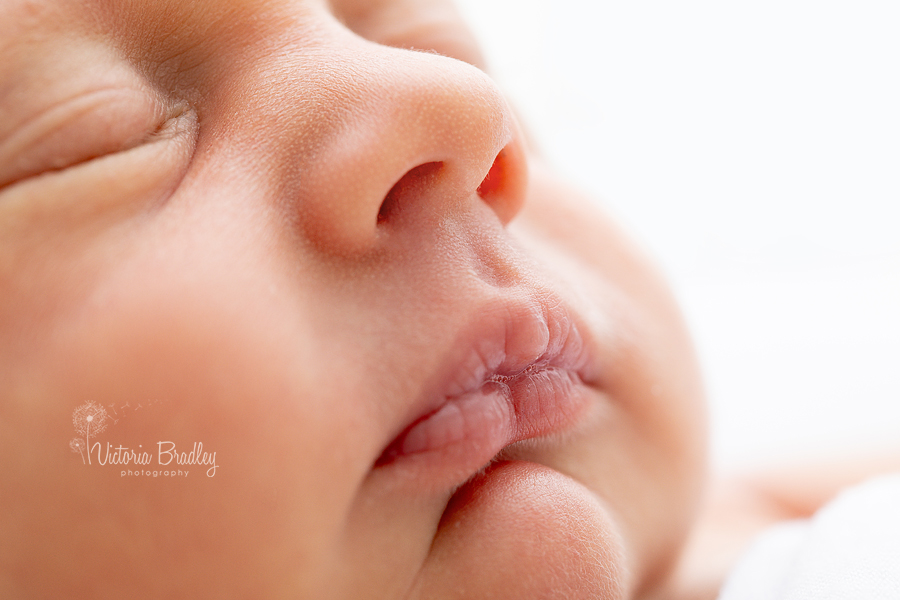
64, 14
45, 43
158, 30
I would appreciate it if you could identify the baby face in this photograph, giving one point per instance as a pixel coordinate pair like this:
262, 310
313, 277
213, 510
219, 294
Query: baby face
323, 326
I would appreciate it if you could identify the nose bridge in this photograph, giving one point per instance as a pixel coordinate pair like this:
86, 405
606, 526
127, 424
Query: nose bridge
398, 110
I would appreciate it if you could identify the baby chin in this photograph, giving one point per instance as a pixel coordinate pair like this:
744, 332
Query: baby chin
523, 530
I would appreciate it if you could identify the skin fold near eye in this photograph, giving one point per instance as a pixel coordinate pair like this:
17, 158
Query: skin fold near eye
78, 129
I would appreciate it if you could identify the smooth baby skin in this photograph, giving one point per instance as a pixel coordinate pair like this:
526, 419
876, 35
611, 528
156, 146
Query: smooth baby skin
271, 225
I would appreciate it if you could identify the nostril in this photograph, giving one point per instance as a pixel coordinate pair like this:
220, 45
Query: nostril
388, 206
503, 188
414, 181
493, 181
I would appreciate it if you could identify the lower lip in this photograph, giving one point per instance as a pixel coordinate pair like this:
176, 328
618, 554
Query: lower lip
468, 430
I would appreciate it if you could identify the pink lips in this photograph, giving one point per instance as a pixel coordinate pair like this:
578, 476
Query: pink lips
520, 371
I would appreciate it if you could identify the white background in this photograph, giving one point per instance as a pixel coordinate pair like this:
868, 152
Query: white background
754, 148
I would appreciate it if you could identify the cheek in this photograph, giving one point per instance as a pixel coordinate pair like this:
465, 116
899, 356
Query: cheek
647, 457
186, 361
649, 460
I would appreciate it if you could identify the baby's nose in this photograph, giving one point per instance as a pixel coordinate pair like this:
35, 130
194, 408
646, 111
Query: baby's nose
420, 134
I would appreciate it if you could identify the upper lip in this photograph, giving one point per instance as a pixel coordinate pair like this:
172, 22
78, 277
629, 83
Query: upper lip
512, 336
507, 340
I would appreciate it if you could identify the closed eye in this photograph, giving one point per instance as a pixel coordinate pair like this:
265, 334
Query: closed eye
81, 128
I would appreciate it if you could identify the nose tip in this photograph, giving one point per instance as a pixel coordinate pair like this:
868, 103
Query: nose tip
414, 127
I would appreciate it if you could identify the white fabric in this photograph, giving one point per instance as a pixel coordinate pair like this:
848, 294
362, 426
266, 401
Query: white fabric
849, 550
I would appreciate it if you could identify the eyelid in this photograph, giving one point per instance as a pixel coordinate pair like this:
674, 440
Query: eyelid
104, 190
78, 129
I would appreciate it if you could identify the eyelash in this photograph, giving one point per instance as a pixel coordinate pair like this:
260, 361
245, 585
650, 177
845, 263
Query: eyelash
99, 124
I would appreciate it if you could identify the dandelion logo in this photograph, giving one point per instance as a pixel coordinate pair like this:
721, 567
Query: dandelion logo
90, 419
77, 445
